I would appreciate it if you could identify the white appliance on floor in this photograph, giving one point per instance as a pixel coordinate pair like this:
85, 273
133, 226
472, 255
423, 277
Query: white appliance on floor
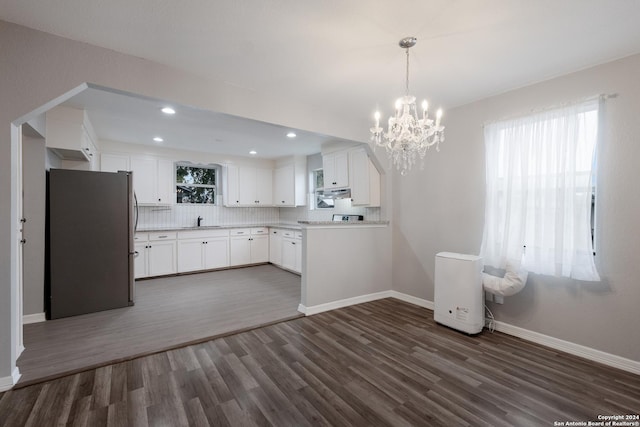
458, 295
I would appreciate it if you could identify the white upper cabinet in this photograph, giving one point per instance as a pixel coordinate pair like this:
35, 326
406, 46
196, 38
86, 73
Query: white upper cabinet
290, 183
248, 186
365, 179
336, 169
231, 195
284, 186
166, 182
70, 134
153, 180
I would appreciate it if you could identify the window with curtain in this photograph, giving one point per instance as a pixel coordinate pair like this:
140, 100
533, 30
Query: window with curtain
539, 187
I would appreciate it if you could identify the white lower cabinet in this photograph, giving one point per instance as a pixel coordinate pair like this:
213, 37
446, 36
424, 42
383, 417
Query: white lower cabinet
292, 250
216, 253
141, 261
162, 258
202, 250
248, 245
275, 246
286, 249
157, 254
259, 249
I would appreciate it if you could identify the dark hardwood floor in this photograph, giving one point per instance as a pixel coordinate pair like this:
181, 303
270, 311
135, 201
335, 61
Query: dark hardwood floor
379, 363
169, 312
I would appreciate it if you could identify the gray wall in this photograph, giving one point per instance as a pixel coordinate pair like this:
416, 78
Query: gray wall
341, 262
442, 209
34, 185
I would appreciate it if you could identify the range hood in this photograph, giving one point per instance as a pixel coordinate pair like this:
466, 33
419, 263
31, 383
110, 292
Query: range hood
343, 193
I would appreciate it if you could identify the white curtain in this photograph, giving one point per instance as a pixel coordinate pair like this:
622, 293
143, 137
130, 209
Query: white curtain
538, 200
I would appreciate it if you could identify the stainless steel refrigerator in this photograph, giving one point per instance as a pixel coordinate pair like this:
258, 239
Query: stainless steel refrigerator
89, 250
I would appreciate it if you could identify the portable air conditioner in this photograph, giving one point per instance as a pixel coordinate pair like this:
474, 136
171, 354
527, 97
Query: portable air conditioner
458, 297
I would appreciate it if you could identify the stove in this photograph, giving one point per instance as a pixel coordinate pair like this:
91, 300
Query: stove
347, 218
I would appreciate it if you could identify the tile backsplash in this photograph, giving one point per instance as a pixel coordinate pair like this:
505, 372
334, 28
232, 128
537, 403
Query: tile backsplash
187, 215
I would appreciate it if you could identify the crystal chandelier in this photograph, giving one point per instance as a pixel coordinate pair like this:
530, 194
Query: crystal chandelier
409, 135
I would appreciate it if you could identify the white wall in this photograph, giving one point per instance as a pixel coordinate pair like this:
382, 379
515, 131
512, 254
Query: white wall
37, 67
442, 209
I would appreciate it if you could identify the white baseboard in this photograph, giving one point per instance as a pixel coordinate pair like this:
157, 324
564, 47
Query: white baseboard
589, 353
33, 318
315, 309
599, 356
19, 350
6, 383
412, 300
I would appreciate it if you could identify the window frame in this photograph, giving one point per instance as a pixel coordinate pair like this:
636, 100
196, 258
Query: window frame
317, 180
214, 187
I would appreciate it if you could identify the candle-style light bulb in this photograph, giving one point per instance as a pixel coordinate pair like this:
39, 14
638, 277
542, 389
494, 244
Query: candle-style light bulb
425, 107
438, 116
377, 117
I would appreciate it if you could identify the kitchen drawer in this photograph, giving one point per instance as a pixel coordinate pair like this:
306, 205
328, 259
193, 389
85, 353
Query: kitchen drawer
259, 230
140, 237
202, 234
240, 232
166, 235
288, 233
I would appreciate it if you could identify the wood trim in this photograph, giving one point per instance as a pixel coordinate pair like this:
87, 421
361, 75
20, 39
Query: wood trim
33, 318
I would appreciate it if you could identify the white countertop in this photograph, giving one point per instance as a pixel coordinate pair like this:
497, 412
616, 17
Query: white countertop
285, 225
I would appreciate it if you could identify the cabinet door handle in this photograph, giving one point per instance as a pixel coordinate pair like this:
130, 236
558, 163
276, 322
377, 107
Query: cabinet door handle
162, 237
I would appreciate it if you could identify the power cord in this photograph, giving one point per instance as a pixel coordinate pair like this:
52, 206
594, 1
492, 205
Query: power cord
489, 319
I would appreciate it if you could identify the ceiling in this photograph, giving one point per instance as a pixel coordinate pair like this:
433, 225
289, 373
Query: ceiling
342, 56
124, 117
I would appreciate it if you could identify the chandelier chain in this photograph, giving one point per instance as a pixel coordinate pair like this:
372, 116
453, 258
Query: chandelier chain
407, 77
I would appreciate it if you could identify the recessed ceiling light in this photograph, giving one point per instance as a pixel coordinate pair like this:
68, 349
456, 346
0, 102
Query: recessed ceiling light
253, 152
158, 139
291, 135
168, 110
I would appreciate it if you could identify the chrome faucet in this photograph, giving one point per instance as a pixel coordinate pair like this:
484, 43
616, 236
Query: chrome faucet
199, 220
